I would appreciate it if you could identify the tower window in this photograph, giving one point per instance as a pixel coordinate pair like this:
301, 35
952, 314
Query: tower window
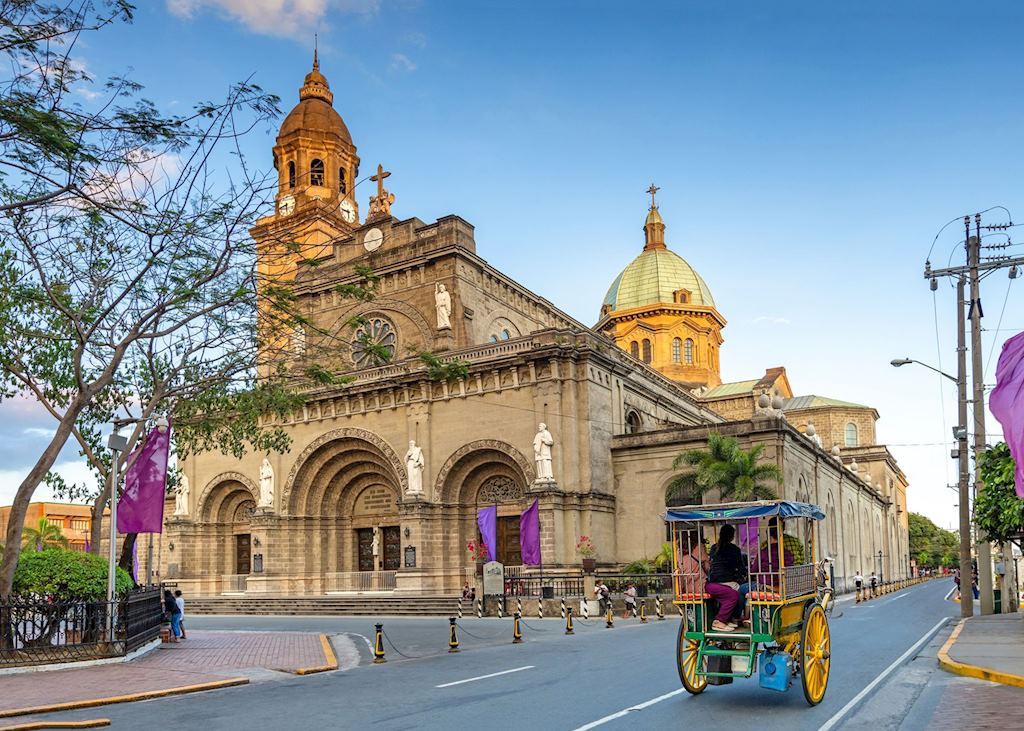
677, 346
647, 350
633, 423
316, 172
505, 335
688, 351
634, 349
342, 184
291, 174
851, 435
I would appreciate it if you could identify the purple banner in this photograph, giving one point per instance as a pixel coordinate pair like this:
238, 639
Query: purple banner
529, 535
487, 520
1006, 402
141, 507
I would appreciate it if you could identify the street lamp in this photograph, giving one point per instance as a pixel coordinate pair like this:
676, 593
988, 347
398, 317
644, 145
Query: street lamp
960, 434
117, 444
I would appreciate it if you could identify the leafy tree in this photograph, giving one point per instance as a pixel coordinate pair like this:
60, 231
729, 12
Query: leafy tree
724, 466
43, 535
998, 510
930, 544
64, 575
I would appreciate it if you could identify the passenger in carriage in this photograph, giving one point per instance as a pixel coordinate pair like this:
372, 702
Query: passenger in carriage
766, 568
728, 571
693, 563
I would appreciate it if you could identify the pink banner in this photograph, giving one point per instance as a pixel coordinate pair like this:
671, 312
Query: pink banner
141, 507
1007, 402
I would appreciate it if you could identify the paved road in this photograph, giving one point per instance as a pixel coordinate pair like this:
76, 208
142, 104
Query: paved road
556, 682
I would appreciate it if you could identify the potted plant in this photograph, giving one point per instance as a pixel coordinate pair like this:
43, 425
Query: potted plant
585, 548
479, 553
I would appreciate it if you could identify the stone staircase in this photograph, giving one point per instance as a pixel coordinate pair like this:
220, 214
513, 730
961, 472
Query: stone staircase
353, 605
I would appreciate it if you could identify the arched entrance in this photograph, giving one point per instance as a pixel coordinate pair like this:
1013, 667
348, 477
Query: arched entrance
225, 517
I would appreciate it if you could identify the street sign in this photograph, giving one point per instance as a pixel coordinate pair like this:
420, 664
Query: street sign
494, 578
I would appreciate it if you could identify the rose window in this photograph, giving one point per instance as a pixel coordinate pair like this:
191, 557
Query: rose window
373, 343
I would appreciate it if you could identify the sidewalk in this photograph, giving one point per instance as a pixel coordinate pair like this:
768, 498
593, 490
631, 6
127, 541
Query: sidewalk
989, 647
205, 661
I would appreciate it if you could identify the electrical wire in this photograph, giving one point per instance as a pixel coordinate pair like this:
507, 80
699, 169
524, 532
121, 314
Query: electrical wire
992, 350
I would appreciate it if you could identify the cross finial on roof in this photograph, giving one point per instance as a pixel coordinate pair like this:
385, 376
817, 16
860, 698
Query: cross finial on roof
652, 190
316, 61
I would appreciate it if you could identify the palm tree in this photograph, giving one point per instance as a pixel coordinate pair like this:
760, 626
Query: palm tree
725, 466
43, 535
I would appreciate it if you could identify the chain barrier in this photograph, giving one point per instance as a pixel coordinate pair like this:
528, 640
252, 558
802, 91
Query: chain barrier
407, 657
475, 636
531, 627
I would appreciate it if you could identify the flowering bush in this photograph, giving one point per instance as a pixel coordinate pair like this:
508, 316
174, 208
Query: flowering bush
585, 547
478, 550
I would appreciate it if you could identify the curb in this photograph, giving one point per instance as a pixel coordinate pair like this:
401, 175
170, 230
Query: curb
332, 660
973, 671
33, 725
129, 698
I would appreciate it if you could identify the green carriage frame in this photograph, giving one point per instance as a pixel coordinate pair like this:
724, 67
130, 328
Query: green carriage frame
789, 605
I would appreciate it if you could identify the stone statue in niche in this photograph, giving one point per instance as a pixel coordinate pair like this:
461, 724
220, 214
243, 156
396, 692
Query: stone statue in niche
376, 543
414, 468
542, 444
298, 342
181, 497
443, 303
266, 484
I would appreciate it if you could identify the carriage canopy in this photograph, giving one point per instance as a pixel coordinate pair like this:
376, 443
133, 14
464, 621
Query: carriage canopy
740, 511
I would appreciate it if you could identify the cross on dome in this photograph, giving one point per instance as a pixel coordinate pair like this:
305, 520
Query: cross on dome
652, 190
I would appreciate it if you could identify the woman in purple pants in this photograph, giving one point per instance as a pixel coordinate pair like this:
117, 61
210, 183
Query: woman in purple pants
727, 572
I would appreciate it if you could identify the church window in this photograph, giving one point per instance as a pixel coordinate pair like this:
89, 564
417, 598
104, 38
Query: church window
647, 350
677, 346
494, 338
342, 184
633, 423
505, 335
374, 343
634, 349
851, 435
291, 174
688, 351
316, 172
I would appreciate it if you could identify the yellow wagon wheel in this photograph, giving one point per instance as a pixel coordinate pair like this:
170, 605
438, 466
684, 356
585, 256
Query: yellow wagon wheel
686, 662
816, 652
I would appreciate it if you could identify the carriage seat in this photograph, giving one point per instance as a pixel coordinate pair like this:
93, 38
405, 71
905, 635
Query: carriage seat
693, 597
764, 596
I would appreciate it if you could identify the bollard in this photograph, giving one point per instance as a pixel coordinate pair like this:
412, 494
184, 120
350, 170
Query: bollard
634, 611
479, 608
453, 637
568, 621
519, 605
643, 612
609, 619
378, 644
586, 610
517, 636
540, 608
563, 608
460, 609
659, 608
501, 607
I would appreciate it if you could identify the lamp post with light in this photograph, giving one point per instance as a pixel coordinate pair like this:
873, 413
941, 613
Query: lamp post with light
960, 453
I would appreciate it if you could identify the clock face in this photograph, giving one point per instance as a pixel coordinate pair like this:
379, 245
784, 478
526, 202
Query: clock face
373, 239
348, 211
286, 205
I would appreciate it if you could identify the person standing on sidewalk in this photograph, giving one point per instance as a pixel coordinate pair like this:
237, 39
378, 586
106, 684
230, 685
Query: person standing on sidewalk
858, 581
629, 597
171, 607
180, 601
874, 582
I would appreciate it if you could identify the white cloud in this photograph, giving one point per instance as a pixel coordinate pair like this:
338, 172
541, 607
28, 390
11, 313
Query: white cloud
289, 18
72, 472
34, 431
771, 320
401, 62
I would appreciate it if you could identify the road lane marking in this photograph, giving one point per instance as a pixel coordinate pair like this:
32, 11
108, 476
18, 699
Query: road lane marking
882, 676
625, 711
481, 677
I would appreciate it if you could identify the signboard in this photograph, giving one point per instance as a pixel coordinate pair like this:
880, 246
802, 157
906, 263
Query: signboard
257, 563
410, 557
494, 578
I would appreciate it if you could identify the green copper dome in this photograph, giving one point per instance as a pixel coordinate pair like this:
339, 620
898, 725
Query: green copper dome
654, 277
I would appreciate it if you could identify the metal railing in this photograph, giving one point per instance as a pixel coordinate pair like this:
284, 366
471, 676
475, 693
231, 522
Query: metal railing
361, 581
561, 585
35, 630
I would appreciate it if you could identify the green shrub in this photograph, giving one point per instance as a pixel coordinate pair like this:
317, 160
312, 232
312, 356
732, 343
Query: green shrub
66, 575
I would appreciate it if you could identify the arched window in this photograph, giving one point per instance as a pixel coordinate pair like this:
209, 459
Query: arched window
633, 423
505, 335
342, 183
647, 350
677, 346
634, 349
851, 435
316, 172
494, 338
291, 174
688, 351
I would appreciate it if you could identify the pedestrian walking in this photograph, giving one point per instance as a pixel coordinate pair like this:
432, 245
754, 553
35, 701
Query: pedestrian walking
173, 613
629, 596
604, 595
874, 582
858, 581
180, 601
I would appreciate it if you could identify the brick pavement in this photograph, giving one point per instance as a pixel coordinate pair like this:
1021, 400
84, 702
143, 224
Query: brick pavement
978, 705
206, 656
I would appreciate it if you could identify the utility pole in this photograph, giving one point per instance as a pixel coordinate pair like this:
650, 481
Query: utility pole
966, 600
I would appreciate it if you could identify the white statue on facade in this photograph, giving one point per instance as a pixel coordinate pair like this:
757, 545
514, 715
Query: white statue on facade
414, 468
542, 453
443, 303
376, 542
266, 484
181, 497
298, 342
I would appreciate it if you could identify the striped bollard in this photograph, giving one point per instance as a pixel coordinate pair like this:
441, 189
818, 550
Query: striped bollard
459, 611
659, 608
479, 608
563, 608
501, 607
540, 608
634, 611
519, 606
586, 610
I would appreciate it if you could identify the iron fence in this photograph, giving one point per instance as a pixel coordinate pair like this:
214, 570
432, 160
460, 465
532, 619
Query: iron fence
35, 630
561, 585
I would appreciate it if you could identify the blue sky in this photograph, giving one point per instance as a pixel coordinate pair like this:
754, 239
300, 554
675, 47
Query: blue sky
807, 153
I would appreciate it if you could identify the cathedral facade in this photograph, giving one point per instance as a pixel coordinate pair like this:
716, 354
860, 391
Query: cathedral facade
381, 487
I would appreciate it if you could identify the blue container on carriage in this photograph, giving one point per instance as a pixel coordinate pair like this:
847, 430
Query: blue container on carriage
776, 670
